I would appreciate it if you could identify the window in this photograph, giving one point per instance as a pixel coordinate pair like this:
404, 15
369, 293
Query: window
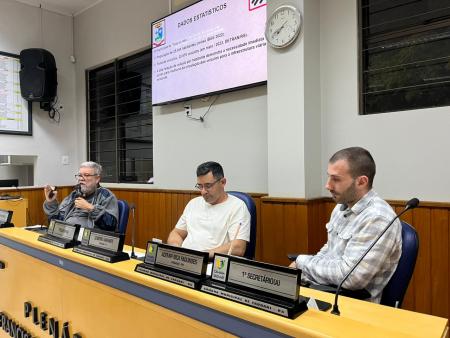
404, 54
119, 103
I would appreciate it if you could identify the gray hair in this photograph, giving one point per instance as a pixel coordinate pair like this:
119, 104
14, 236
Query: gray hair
89, 164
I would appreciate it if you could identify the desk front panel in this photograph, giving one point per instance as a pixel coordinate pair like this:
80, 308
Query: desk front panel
91, 309
111, 300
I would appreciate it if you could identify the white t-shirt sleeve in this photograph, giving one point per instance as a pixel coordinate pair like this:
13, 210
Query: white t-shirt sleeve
182, 222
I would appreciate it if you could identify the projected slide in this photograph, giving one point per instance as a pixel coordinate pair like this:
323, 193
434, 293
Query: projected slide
208, 47
14, 117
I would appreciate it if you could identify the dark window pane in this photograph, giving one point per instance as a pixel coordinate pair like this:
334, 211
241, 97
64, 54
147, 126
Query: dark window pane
405, 54
120, 118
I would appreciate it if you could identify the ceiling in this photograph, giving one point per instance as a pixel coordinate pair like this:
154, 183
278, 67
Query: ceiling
65, 7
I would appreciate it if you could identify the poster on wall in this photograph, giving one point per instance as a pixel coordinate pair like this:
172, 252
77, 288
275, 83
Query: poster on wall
14, 115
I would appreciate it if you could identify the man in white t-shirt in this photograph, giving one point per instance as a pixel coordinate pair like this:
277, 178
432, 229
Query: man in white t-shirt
216, 220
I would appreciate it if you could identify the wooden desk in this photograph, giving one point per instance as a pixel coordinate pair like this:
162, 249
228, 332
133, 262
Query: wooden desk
111, 300
19, 208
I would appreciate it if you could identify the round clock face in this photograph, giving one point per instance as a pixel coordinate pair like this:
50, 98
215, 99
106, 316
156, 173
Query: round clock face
283, 26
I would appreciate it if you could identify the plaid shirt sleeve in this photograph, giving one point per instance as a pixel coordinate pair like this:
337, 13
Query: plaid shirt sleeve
348, 238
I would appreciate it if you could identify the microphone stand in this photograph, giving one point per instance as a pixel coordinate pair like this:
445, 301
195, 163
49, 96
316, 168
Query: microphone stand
133, 207
410, 205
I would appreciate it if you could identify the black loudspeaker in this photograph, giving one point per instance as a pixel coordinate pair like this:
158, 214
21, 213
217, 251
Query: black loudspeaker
37, 75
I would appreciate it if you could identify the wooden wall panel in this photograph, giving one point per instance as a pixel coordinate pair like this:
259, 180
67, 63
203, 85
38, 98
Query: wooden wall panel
409, 300
294, 225
285, 228
422, 299
439, 262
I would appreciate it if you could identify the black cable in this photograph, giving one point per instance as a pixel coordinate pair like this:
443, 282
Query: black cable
53, 112
202, 118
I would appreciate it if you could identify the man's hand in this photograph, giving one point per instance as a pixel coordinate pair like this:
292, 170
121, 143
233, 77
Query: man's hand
81, 203
48, 191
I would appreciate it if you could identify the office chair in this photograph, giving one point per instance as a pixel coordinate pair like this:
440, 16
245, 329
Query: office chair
251, 246
124, 210
395, 290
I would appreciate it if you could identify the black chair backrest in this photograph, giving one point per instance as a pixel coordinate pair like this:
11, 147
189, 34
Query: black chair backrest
251, 246
395, 290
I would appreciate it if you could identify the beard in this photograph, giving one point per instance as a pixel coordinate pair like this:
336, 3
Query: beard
349, 196
87, 190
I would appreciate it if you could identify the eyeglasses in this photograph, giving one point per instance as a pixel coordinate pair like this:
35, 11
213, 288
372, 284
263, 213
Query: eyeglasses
206, 186
85, 176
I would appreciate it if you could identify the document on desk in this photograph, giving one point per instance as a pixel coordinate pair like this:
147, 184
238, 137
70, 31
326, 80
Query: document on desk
39, 228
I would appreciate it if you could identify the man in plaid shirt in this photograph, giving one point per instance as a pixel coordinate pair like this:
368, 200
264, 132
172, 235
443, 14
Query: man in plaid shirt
359, 216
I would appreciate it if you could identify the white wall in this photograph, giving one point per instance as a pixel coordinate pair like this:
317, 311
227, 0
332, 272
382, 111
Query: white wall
20, 172
286, 117
234, 134
20, 29
409, 147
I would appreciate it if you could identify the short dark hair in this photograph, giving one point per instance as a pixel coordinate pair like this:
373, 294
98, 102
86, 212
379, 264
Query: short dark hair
213, 167
359, 160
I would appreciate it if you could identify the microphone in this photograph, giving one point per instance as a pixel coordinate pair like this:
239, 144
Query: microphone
411, 204
132, 207
78, 192
235, 236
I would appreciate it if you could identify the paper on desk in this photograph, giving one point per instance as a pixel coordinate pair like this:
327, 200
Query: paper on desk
37, 226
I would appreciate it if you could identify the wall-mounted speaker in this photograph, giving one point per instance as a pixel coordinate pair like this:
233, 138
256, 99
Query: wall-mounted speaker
38, 81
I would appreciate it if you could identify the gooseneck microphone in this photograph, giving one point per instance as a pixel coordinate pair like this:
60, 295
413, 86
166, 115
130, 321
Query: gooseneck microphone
132, 207
411, 204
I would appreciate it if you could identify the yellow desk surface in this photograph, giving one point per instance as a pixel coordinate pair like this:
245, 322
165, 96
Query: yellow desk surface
18, 207
357, 319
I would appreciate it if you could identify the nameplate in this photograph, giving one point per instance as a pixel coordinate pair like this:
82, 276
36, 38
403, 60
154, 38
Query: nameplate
165, 276
104, 245
61, 234
63, 230
113, 258
51, 241
104, 240
246, 300
272, 279
265, 286
175, 264
5, 218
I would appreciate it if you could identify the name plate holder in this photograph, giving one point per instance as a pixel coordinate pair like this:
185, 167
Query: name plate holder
265, 286
104, 245
174, 264
61, 234
5, 218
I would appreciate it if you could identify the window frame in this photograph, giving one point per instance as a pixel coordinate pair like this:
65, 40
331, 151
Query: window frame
114, 64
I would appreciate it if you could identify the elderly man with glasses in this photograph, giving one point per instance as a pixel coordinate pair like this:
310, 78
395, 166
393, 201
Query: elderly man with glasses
89, 205
215, 221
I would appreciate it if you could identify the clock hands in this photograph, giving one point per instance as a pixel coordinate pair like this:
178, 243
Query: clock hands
277, 32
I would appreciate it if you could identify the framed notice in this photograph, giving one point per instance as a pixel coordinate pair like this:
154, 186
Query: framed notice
15, 118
